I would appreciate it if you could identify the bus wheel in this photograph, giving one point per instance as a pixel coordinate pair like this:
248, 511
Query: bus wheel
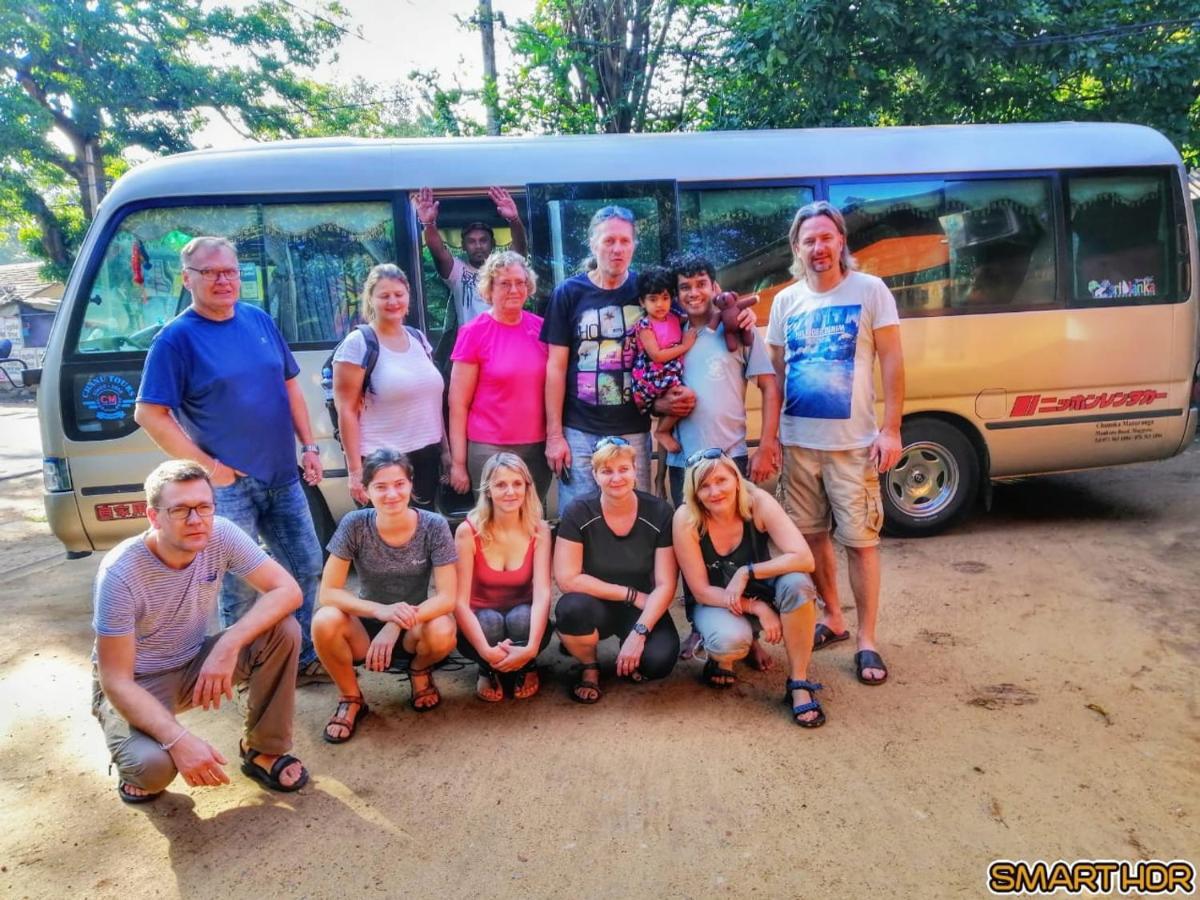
934, 481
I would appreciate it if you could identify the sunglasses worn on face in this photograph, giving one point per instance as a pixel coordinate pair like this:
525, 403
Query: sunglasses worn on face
710, 453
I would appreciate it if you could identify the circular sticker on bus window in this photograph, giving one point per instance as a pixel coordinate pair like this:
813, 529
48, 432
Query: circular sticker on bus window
110, 397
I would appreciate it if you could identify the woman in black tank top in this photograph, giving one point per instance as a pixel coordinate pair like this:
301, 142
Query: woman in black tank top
748, 567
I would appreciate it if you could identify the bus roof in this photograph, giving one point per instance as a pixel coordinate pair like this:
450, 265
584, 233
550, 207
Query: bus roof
365, 164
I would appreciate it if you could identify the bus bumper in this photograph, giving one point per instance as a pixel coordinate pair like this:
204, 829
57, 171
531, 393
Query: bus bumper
62, 514
1189, 430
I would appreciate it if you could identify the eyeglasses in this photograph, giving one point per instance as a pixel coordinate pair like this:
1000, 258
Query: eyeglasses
183, 513
612, 441
212, 276
710, 453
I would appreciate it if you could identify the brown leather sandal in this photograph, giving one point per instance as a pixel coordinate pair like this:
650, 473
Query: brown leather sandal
430, 690
341, 718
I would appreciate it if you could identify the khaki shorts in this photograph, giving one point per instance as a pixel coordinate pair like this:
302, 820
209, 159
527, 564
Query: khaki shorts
844, 482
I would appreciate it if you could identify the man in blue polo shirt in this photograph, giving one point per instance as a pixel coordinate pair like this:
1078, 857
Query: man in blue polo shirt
219, 387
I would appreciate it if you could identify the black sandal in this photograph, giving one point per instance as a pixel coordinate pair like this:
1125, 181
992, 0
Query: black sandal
869, 659
341, 718
713, 671
581, 684
135, 799
799, 709
270, 778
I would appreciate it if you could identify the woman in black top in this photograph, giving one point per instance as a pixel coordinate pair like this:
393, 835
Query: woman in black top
614, 564
748, 566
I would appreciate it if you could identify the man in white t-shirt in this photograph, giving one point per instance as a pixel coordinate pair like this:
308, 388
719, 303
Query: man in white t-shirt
825, 333
478, 242
155, 594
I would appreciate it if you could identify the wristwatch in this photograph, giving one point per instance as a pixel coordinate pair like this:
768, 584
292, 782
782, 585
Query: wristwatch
309, 448
641, 629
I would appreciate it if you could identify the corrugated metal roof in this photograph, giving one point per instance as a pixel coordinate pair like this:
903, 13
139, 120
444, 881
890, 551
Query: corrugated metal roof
21, 280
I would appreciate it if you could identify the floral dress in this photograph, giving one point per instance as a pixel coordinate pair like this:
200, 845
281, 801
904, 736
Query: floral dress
652, 379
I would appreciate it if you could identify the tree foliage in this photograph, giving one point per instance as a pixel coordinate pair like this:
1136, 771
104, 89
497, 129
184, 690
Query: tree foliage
609, 65
81, 81
800, 63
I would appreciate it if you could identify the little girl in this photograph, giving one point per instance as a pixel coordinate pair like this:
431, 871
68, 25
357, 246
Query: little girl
662, 342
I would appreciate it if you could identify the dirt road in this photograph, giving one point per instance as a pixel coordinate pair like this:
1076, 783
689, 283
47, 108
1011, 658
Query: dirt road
1042, 705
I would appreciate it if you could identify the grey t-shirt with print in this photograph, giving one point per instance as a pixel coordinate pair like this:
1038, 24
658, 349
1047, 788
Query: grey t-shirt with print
388, 574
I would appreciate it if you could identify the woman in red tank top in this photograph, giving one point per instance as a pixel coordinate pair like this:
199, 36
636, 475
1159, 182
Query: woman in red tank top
503, 608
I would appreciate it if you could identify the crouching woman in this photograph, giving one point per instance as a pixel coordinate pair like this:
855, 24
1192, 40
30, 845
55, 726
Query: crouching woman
747, 565
395, 548
503, 609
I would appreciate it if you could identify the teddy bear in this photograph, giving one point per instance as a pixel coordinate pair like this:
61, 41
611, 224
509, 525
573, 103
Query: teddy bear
727, 305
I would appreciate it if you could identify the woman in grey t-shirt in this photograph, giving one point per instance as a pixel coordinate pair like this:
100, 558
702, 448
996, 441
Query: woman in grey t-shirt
395, 549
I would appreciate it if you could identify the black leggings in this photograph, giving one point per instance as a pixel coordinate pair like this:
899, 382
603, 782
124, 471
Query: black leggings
578, 615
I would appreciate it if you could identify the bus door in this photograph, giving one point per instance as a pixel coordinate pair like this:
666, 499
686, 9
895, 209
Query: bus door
559, 215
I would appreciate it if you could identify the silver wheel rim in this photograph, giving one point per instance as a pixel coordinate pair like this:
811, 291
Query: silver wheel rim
925, 480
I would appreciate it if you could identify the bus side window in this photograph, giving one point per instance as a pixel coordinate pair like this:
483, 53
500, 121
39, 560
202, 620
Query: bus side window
1120, 237
970, 245
444, 306
317, 256
743, 233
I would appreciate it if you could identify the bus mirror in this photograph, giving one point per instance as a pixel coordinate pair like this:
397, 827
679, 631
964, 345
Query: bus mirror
31, 377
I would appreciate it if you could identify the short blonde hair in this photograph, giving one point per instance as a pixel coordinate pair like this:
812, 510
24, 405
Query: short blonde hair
608, 452
170, 472
382, 272
502, 259
204, 242
694, 477
484, 513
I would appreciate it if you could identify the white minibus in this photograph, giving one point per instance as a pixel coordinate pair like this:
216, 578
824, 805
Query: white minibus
1044, 275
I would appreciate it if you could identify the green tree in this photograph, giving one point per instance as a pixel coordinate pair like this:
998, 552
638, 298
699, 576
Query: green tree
586, 66
800, 63
81, 81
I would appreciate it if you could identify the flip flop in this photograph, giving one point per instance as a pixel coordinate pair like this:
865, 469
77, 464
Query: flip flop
869, 659
823, 636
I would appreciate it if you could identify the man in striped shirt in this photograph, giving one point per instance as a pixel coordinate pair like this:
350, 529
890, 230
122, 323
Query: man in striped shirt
154, 597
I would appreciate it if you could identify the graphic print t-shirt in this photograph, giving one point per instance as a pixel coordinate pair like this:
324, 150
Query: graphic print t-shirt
829, 360
596, 327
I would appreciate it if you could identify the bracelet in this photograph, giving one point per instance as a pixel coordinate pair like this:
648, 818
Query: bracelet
750, 570
213, 471
630, 596
309, 448
178, 738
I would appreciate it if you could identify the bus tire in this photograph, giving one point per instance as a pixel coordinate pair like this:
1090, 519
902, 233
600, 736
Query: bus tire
933, 483
322, 520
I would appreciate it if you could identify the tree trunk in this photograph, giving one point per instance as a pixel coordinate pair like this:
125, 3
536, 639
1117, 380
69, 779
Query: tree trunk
54, 241
491, 97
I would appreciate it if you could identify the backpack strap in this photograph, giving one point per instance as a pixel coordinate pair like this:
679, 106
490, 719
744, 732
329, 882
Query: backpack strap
417, 335
371, 357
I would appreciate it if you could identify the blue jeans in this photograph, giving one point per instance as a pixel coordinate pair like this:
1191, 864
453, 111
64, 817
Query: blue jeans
280, 518
582, 482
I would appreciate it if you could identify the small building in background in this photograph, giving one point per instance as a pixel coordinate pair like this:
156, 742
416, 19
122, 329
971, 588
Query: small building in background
27, 308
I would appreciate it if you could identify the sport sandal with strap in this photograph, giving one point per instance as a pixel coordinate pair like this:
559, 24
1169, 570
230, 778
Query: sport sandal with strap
341, 719
429, 691
799, 709
270, 777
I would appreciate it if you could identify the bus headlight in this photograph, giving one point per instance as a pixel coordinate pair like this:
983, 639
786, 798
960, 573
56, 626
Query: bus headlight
56, 475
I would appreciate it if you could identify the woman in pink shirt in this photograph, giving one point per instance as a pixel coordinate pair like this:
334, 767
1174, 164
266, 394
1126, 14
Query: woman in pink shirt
497, 384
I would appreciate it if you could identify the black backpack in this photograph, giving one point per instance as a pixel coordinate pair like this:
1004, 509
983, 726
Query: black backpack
368, 364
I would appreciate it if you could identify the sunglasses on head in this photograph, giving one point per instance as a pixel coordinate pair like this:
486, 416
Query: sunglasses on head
710, 453
613, 441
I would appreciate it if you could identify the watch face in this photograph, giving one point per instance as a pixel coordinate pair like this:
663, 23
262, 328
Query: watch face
641, 629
